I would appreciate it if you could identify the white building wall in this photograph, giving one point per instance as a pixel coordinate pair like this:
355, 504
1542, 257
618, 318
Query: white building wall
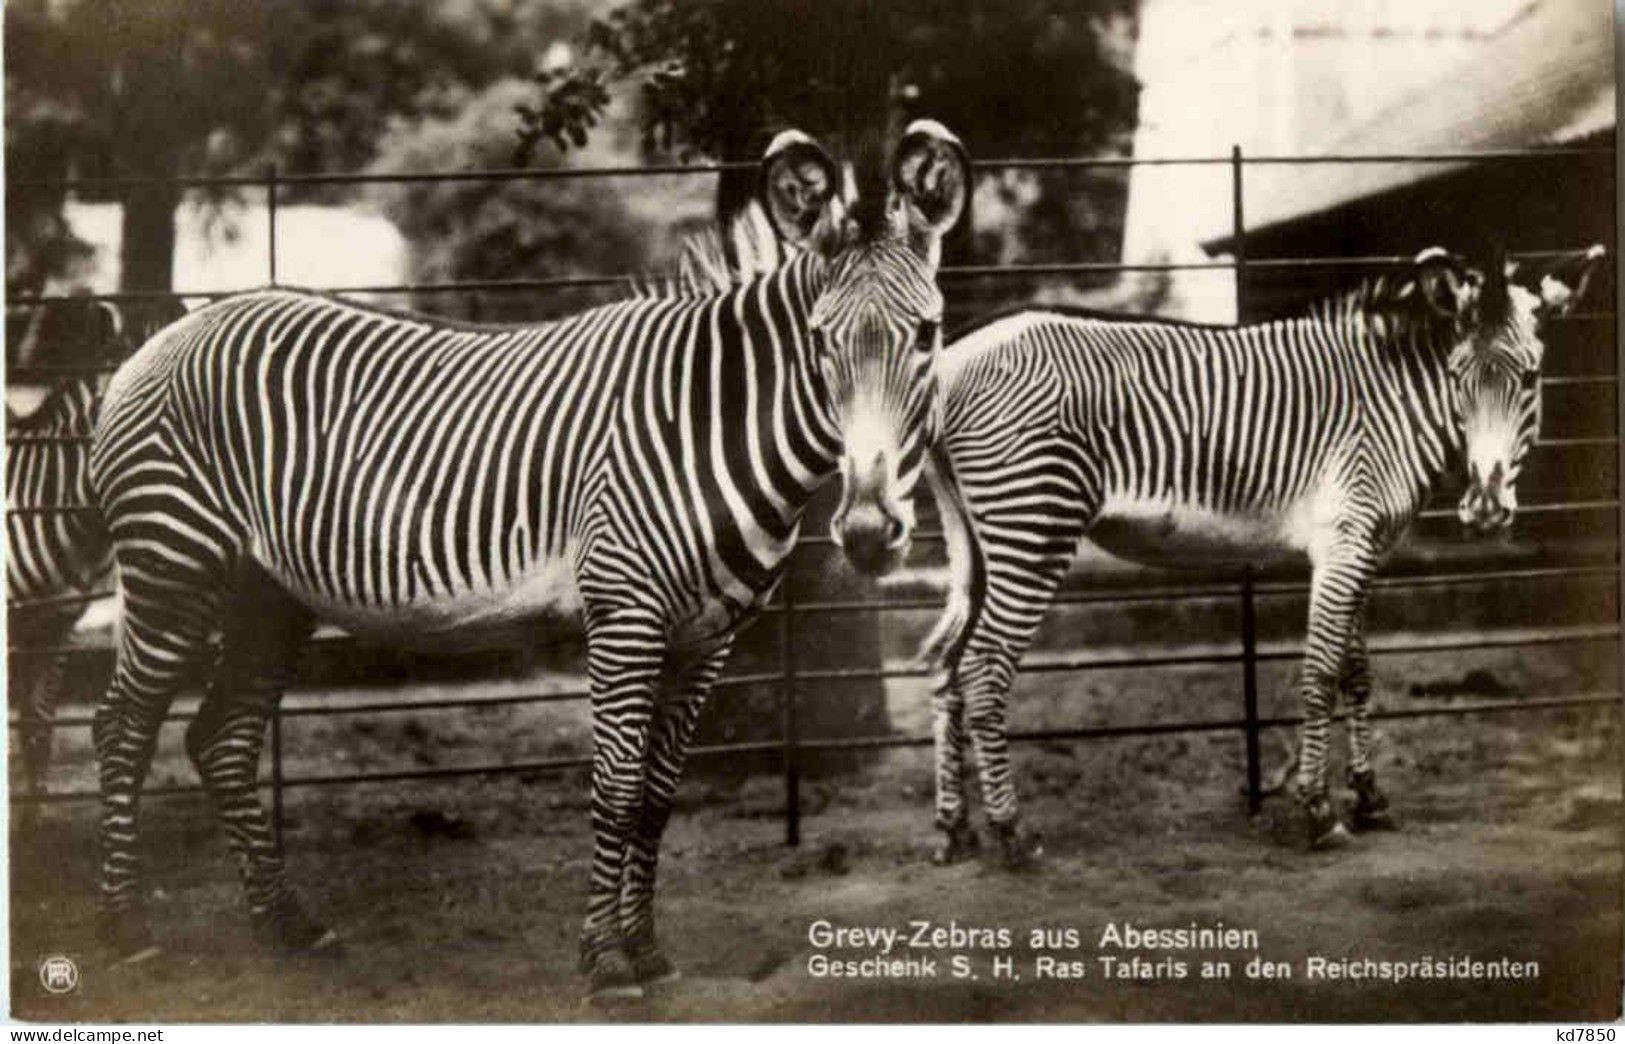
1276, 77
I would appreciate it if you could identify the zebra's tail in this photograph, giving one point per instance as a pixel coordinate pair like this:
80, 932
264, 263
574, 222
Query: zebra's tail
967, 576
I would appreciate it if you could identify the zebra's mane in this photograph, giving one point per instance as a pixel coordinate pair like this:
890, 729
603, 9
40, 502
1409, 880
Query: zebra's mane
710, 264
1389, 304
714, 261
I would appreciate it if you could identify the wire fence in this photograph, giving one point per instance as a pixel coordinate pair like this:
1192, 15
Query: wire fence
792, 613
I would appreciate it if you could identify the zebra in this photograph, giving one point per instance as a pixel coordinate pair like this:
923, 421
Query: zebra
57, 553
53, 551
636, 472
1167, 443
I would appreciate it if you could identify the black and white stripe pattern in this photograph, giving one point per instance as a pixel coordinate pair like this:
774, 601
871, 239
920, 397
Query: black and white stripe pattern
52, 554
57, 551
639, 469
1169, 443
51, 551
57, 547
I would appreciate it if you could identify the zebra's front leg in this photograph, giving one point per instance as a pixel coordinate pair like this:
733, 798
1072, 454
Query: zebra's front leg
1337, 592
263, 634
670, 734
1371, 811
988, 677
948, 731
1016, 598
626, 648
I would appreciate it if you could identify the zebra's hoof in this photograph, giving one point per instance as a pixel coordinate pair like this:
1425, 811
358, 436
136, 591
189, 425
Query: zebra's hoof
1018, 849
1371, 811
612, 980
127, 938
1322, 826
1333, 837
287, 930
957, 842
652, 968
1373, 819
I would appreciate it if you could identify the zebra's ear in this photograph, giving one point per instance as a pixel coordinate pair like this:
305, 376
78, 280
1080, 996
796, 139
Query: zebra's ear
799, 183
931, 180
1561, 282
1446, 286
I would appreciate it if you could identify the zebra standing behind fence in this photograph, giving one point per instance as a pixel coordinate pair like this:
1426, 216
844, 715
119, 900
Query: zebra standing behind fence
1169, 443
642, 468
57, 552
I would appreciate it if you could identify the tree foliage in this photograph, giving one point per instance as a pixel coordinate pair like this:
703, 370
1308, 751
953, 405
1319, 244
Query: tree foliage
716, 76
347, 72
145, 90
473, 230
160, 88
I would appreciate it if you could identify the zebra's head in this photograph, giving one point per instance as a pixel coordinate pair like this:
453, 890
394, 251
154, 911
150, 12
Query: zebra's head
876, 324
1500, 318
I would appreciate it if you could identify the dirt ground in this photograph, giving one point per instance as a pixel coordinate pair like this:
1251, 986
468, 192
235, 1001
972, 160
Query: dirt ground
460, 901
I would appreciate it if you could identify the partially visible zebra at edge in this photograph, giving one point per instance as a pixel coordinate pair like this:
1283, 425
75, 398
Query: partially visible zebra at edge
637, 470
56, 548
1169, 443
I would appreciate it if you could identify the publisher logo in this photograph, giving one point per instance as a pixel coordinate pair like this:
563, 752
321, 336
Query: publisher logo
58, 974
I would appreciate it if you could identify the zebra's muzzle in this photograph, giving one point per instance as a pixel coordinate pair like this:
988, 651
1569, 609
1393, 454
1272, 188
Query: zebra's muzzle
872, 526
874, 540
1488, 505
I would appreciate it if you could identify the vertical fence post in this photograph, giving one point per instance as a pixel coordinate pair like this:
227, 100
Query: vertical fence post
276, 773
1238, 237
1249, 690
792, 769
270, 218
1249, 622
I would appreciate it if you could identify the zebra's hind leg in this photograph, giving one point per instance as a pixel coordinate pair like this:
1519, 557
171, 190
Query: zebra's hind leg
1371, 811
264, 629
37, 679
626, 648
162, 641
669, 738
1337, 592
948, 728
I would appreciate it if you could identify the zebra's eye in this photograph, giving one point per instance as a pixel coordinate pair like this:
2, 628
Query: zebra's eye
1529, 378
925, 338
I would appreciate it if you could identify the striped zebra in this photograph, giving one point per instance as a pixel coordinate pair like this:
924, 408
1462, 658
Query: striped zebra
636, 472
55, 554
1166, 443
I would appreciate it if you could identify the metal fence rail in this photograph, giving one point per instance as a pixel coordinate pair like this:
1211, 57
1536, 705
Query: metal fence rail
1245, 588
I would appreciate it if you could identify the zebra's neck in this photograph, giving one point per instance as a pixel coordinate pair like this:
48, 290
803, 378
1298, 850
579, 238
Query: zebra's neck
765, 436
785, 418
1412, 378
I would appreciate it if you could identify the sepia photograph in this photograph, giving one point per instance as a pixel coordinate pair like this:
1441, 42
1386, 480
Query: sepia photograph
812, 512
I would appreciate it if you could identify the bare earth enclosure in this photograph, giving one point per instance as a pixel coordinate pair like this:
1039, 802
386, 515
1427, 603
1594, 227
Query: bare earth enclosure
459, 901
